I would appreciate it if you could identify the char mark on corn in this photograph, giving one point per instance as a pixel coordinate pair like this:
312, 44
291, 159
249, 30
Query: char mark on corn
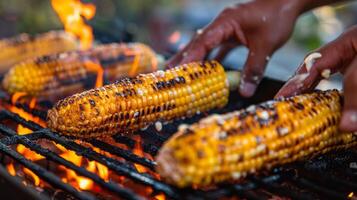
227, 147
24, 46
56, 76
134, 103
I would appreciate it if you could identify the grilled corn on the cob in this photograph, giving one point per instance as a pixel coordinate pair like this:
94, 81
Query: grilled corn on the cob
55, 76
134, 103
230, 146
24, 46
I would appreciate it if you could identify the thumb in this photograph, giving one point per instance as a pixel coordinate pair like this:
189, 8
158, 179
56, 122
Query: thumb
349, 115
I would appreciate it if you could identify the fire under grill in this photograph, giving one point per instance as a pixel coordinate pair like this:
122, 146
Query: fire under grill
332, 176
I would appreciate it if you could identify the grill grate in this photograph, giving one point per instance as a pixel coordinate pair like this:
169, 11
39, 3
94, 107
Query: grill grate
327, 177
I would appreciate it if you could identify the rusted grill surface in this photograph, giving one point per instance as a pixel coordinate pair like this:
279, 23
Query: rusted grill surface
326, 177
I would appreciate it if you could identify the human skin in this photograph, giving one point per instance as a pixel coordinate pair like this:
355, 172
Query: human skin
263, 27
339, 55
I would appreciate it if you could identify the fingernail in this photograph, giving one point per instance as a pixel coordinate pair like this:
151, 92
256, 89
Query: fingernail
247, 89
349, 121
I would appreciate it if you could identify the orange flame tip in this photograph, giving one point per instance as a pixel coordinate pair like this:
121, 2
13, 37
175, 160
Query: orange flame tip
160, 197
16, 96
135, 66
72, 14
97, 68
11, 169
36, 179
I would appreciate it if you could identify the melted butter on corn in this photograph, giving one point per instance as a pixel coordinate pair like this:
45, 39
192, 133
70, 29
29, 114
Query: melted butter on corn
135, 103
228, 147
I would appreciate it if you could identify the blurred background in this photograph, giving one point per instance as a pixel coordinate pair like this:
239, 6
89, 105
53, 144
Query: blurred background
167, 25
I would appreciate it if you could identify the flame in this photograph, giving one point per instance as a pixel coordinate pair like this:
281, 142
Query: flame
139, 151
28, 153
16, 96
81, 182
35, 178
174, 37
73, 14
67, 175
160, 197
98, 69
32, 103
21, 130
71, 177
135, 66
102, 171
136, 61
11, 169
350, 195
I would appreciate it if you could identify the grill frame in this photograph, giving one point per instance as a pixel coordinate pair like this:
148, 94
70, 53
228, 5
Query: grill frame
152, 140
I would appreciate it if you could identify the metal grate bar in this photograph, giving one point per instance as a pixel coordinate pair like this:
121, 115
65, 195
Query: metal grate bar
16, 118
274, 187
252, 189
332, 181
327, 193
44, 174
128, 155
151, 134
115, 165
147, 147
123, 192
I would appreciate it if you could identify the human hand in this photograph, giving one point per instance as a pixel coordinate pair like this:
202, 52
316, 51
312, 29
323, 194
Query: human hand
338, 56
262, 26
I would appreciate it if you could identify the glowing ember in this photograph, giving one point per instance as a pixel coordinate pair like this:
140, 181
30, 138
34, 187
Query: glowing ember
15, 97
81, 182
35, 178
160, 197
11, 169
350, 195
28, 153
85, 183
73, 14
33, 103
26, 116
139, 151
102, 171
71, 177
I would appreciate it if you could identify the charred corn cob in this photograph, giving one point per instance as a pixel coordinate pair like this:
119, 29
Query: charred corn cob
24, 46
227, 147
57, 75
135, 103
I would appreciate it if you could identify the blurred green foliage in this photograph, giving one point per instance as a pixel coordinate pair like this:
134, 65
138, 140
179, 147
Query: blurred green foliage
306, 33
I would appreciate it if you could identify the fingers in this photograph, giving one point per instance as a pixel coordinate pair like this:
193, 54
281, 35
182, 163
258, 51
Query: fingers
224, 27
253, 71
349, 115
224, 49
316, 66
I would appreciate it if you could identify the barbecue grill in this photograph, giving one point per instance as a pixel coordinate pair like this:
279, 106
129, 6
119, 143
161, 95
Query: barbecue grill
332, 176
41, 171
